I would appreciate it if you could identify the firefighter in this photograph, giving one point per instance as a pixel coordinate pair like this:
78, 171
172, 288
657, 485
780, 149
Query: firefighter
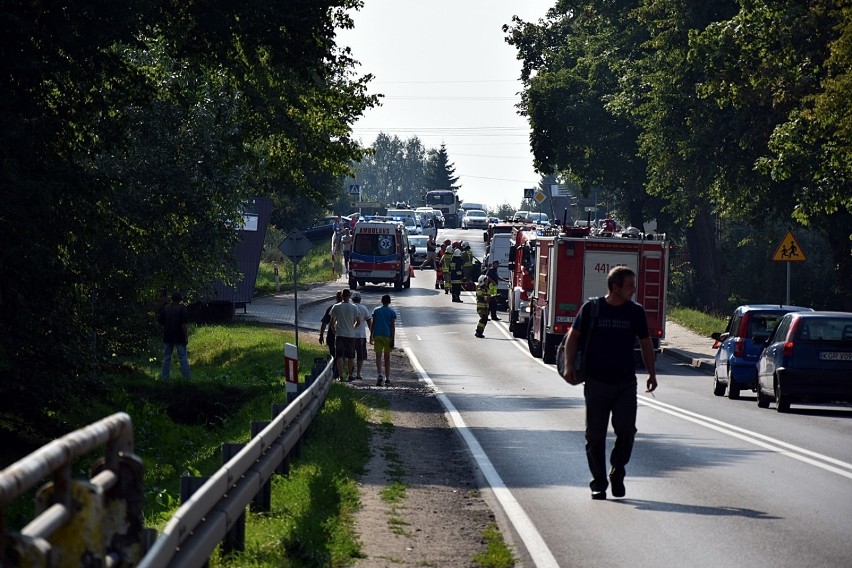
482, 298
439, 263
456, 275
467, 267
446, 263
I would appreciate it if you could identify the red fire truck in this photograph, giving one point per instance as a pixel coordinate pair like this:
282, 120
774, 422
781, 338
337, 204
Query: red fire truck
572, 266
521, 276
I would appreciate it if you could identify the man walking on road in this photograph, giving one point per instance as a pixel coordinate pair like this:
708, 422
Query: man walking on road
482, 305
345, 319
382, 333
608, 331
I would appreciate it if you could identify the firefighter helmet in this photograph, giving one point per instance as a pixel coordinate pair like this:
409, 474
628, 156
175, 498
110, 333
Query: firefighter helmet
456, 252
482, 280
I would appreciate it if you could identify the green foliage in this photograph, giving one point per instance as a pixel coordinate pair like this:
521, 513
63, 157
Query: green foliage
440, 173
131, 138
392, 171
699, 322
315, 267
714, 108
497, 554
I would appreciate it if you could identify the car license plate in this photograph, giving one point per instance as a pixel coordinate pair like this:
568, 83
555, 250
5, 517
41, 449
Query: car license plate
835, 356
362, 273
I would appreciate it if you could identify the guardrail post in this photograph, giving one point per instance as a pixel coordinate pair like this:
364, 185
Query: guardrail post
188, 486
283, 467
262, 502
235, 538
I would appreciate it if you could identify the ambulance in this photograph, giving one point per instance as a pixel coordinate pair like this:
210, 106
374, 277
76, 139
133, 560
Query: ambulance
380, 254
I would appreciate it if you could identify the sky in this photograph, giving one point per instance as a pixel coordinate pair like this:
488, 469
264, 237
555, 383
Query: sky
449, 77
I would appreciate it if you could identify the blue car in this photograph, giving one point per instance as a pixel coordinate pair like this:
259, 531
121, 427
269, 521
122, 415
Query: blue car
736, 359
807, 359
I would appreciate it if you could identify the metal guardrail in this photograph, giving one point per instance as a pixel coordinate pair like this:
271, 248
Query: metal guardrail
99, 522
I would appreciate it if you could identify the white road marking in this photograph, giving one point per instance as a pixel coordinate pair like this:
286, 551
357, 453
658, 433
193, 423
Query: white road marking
821, 461
537, 548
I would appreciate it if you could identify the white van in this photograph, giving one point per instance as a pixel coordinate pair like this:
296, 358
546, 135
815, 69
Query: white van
380, 254
498, 249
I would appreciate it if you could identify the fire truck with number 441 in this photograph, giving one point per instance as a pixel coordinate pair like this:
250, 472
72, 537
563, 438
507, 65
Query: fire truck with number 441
571, 266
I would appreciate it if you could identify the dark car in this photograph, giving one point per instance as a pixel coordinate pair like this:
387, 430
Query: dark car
807, 359
736, 359
321, 229
419, 244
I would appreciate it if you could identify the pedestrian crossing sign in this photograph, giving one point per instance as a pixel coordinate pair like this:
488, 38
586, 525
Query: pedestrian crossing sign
789, 250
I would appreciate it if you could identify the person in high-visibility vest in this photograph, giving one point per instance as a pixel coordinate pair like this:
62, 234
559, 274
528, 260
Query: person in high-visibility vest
467, 267
446, 261
439, 263
482, 297
456, 275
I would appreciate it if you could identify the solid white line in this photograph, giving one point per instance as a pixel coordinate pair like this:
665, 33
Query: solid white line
804, 455
537, 548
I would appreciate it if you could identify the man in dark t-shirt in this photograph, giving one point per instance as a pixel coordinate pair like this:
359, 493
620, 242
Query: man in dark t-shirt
325, 324
175, 321
611, 324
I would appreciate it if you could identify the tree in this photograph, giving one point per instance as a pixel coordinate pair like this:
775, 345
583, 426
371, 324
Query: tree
132, 137
393, 170
440, 173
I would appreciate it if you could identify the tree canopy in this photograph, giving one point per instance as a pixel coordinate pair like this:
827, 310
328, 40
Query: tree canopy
131, 138
722, 108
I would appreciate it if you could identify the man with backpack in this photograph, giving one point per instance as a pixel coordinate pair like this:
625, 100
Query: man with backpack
607, 329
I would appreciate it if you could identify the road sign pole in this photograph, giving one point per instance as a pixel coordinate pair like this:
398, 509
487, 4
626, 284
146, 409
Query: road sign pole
296, 300
788, 282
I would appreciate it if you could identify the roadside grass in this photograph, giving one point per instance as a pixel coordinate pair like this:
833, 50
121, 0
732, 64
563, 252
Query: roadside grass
497, 554
179, 427
314, 268
699, 322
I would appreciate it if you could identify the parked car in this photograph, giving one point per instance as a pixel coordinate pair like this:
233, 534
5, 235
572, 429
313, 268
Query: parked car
521, 217
736, 359
419, 244
538, 218
321, 229
808, 358
474, 219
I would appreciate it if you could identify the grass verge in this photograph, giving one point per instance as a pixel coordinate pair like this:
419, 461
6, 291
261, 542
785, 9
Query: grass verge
699, 322
179, 427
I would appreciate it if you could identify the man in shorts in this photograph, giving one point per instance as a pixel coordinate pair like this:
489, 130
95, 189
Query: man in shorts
382, 332
361, 344
329, 338
345, 319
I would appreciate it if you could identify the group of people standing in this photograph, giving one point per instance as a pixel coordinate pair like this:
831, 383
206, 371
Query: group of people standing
344, 329
453, 268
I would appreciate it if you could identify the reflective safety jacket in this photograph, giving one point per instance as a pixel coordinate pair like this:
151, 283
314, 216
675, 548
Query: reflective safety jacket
482, 298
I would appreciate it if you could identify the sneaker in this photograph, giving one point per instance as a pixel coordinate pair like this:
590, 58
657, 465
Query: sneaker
495, 318
350, 379
359, 378
599, 495
616, 483
387, 382
478, 335
380, 381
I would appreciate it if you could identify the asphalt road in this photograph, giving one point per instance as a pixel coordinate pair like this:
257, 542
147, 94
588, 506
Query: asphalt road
713, 482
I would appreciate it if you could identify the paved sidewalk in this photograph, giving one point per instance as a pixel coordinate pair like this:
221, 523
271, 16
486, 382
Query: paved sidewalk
280, 309
689, 347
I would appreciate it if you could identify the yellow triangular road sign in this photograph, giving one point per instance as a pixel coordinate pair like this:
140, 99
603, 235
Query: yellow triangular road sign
789, 250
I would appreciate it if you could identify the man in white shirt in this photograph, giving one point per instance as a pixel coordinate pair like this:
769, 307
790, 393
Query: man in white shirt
361, 344
345, 320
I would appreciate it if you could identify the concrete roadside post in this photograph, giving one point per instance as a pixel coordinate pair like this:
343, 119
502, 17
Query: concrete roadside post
291, 371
